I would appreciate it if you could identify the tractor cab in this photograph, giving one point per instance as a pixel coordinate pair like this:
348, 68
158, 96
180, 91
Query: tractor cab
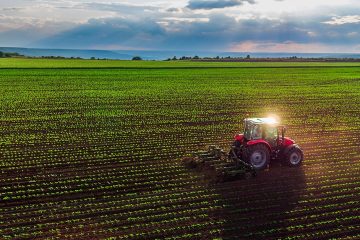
264, 128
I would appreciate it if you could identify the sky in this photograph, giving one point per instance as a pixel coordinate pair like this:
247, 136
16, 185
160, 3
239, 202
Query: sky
306, 26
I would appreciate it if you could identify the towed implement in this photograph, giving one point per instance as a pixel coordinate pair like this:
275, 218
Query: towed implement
263, 141
219, 164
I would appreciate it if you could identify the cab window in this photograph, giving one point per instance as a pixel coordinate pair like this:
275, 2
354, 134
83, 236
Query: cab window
271, 133
256, 132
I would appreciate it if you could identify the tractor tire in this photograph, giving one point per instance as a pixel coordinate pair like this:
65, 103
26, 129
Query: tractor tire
258, 156
293, 157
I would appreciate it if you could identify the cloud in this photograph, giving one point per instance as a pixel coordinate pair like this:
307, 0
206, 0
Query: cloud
12, 9
211, 4
15, 33
217, 32
173, 10
284, 47
173, 26
106, 32
117, 7
344, 20
23, 24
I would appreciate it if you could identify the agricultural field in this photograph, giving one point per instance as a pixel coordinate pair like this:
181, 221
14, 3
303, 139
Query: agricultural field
93, 149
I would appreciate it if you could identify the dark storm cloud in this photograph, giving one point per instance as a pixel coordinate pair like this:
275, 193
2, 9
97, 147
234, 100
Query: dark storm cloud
218, 33
173, 10
110, 31
211, 4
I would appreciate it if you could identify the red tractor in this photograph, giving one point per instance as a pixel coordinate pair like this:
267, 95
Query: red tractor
263, 140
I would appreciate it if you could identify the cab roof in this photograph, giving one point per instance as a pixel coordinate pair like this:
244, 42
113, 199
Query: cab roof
271, 121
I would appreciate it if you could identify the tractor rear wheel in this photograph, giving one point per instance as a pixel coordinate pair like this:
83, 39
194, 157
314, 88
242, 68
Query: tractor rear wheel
257, 155
293, 157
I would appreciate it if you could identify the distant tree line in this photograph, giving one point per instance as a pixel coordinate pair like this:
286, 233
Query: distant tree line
3, 55
57, 57
137, 58
205, 58
248, 58
9, 54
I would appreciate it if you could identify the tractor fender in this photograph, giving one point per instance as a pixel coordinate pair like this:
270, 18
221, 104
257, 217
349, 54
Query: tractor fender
287, 148
239, 137
284, 154
259, 141
238, 140
288, 142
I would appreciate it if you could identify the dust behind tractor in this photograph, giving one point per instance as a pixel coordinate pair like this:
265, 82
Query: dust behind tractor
263, 141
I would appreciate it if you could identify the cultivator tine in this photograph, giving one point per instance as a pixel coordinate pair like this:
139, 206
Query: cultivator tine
215, 162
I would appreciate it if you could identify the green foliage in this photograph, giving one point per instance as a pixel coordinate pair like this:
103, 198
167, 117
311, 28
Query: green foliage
136, 58
9, 55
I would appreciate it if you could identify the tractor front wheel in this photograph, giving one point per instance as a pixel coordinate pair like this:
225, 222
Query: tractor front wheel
258, 155
293, 157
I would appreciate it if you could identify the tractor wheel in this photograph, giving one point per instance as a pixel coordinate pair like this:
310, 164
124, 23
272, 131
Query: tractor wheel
293, 157
257, 155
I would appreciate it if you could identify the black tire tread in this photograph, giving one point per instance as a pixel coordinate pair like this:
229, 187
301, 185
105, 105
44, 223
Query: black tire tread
287, 154
249, 150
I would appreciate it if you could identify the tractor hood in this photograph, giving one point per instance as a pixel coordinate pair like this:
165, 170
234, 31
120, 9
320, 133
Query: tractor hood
288, 141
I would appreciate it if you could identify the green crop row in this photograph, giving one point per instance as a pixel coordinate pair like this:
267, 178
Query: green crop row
92, 149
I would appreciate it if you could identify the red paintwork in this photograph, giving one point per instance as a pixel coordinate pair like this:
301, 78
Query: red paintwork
253, 142
288, 142
239, 137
